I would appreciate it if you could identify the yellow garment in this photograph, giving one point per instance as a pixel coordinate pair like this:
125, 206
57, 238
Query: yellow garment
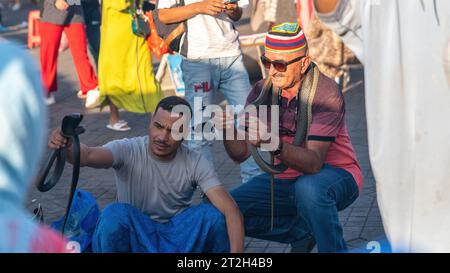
125, 68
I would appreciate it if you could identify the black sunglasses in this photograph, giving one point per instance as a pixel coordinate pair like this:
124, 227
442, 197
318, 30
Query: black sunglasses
280, 66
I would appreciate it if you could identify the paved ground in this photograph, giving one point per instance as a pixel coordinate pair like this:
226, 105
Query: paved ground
361, 221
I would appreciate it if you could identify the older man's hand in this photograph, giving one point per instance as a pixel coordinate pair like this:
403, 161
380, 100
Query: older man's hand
233, 10
224, 121
61, 5
257, 131
211, 7
230, 7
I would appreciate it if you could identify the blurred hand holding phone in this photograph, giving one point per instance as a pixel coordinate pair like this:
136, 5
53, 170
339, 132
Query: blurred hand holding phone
231, 4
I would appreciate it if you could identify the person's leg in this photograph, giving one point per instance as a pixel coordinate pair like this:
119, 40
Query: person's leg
114, 113
92, 19
199, 229
217, 240
50, 38
235, 86
76, 34
254, 201
123, 228
197, 77
319, 197
114, 119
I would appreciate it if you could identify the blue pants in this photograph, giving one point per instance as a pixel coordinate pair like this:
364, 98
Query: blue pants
123, 228
92, 19
304, 207
202, 79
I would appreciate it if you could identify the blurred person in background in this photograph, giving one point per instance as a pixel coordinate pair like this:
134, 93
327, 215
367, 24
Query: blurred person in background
23, 119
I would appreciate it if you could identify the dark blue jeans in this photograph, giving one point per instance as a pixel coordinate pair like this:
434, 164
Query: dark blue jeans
92, 19
304, 207
123, 228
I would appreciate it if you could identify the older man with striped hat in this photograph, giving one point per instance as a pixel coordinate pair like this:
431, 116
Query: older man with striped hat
321, 175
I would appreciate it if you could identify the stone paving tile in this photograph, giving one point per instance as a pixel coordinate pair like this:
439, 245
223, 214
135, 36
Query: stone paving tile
258, 244
358, 211
372, 233
276, 245
364, 201
254, 250
355, 221
275, 250
352, 233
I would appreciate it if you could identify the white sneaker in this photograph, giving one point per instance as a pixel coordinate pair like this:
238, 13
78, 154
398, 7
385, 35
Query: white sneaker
16, 7
50, 99
92, 98
80, 95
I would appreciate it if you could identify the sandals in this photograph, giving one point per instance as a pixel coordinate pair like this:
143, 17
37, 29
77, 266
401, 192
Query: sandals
120, 126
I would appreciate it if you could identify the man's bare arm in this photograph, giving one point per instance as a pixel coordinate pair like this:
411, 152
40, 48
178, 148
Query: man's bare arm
223, 201
94, 157
306, 160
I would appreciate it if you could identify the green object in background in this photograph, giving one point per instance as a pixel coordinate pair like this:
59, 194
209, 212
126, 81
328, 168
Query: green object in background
138, 24
140, 27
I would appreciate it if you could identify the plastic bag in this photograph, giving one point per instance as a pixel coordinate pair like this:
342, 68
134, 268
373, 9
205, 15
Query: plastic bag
156, 44
82, 219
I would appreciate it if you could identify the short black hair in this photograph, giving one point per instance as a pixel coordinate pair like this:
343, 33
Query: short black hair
168, 103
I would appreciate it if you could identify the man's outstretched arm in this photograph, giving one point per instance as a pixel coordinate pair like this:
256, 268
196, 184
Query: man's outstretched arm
94, 157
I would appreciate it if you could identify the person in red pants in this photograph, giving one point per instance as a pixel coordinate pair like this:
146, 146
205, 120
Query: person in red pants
58, 16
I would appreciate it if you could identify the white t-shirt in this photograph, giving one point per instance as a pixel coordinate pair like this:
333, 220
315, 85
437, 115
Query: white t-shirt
209, 36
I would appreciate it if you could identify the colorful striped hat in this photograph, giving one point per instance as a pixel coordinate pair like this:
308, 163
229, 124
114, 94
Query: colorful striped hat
285, 38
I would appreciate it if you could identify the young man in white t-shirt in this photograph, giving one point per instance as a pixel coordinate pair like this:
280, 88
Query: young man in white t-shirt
156, 176
212, 58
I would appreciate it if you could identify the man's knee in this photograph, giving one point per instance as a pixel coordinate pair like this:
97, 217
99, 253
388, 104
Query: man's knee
236, 194
113, 229
240, 196
248, 194
215, 217
217, 238
112, 218
308, 193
